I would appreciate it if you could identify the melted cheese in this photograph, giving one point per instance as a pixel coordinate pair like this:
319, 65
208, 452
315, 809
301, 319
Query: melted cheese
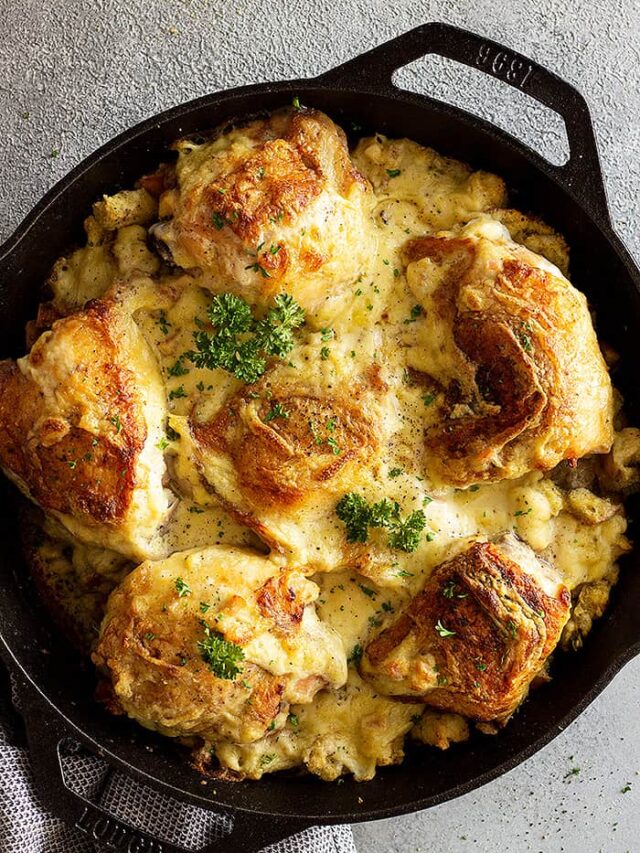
373, 322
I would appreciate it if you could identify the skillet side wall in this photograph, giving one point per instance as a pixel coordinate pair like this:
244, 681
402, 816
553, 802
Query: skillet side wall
600, 267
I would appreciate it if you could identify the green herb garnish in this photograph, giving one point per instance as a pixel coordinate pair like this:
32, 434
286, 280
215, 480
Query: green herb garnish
415, 312
240, 344
220, 655
442, 631
182, 588
178, 369
358, 516
276, 411
356, 654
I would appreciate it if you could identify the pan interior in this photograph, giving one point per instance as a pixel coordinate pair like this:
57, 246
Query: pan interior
600, 268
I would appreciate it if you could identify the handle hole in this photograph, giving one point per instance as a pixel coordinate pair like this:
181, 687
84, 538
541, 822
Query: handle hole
477, 92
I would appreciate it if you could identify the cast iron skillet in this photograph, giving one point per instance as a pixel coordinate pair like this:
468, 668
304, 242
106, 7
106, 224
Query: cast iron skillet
56, 690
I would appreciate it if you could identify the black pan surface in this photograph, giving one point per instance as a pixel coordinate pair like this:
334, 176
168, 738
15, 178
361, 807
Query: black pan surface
56, 689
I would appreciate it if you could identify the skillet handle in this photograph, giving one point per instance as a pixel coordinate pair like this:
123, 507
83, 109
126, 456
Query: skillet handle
45, 736
581, 174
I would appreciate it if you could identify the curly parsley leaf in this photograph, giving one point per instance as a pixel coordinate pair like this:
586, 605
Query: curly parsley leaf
358, 516
355, 512
240, 344
222, 657
182, 588
405, 534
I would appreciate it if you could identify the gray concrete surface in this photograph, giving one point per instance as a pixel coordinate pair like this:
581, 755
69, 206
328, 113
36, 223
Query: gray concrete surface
73, 74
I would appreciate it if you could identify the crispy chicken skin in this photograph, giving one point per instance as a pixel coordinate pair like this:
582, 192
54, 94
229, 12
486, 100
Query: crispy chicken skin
525, 385
80, 418
280, 453
156, 619
476, 635
282, 460
272, 205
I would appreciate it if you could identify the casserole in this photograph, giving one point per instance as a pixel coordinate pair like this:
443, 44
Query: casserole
570, 197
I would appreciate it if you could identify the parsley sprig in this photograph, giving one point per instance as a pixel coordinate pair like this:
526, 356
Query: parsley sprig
358, 516
220, 655
240, 343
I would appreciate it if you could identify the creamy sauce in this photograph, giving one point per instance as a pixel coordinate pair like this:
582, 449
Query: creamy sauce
352, 729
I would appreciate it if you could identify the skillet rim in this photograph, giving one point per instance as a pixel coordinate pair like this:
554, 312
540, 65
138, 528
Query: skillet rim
289, 88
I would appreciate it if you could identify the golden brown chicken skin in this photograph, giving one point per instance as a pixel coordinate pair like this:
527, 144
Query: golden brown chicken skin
80, 417
216, 643
272, 205
476, 636
281, 452
523, 382
282, 459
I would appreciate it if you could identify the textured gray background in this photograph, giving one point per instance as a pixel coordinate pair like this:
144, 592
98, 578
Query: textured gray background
74, 74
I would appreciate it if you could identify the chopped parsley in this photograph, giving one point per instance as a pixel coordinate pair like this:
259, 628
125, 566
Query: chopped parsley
370, 593
415, 312
257, 267
115, 420
149, 635
428, 399
356, 654
520, 512
451, 590
222, 657
395, 472
178, 369
335, 447
393, 173
525, 340
296, 103
218, 220
177, 393
326, 334
163, 323
276, 411
240, 343
358, 516
293, 719
324, 353
204, 607
443, 631
511, 628
267, 759
182, 588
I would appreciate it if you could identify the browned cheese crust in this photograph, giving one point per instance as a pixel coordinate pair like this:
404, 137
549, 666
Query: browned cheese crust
473, 639
150, 644
268, 205
280, 460
528, 386
73, 425
65, 466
